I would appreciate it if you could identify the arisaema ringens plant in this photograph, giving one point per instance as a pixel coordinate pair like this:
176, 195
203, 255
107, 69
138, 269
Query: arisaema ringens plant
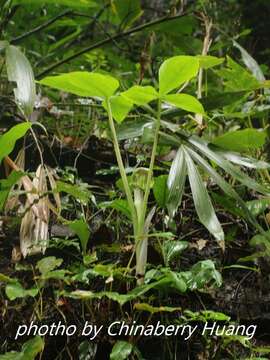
174, 75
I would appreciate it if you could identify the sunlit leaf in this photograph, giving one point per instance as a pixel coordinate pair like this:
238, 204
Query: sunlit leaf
208, 61
175, 71
120, 107
140, 95
83, 83
185, 102
8, 140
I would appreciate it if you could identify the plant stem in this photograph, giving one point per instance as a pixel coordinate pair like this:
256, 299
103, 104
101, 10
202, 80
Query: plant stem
122, 167
151, 166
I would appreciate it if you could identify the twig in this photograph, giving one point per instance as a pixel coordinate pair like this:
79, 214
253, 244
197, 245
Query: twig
106, 41
40, 27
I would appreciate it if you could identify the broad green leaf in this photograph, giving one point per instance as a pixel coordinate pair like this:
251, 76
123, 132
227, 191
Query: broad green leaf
257, 207
154, 309
119, 205
127, 11
121, 350
140, 95
81, 228
160, 190
20, 71
6, 185
202, 273
30, 350
185, 102
208, 61
83, 83
241, 140
78, 4
236, 78
176, 182
8, 140
202, 202
48, 264
175, 71
15, 290
78, 192
120, 107
172, 249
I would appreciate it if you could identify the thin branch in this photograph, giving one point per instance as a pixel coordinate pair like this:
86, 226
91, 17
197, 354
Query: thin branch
40, 27
106, 41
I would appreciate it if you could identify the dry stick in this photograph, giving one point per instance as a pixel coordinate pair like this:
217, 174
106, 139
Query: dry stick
108, 40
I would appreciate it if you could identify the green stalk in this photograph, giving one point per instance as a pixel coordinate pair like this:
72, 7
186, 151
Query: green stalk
151, 166
141, 236
122, 167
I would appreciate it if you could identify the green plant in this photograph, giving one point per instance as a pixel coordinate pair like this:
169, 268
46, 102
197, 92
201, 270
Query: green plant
174, 73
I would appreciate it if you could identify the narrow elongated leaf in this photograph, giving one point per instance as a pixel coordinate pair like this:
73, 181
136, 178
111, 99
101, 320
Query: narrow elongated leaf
176, 71
20, 71
140, 95
8, 140
176, 182
241, 160
83, 83
226, 165
202, 202
241, 140
227, 188
250, 62
185, 102
160, 190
